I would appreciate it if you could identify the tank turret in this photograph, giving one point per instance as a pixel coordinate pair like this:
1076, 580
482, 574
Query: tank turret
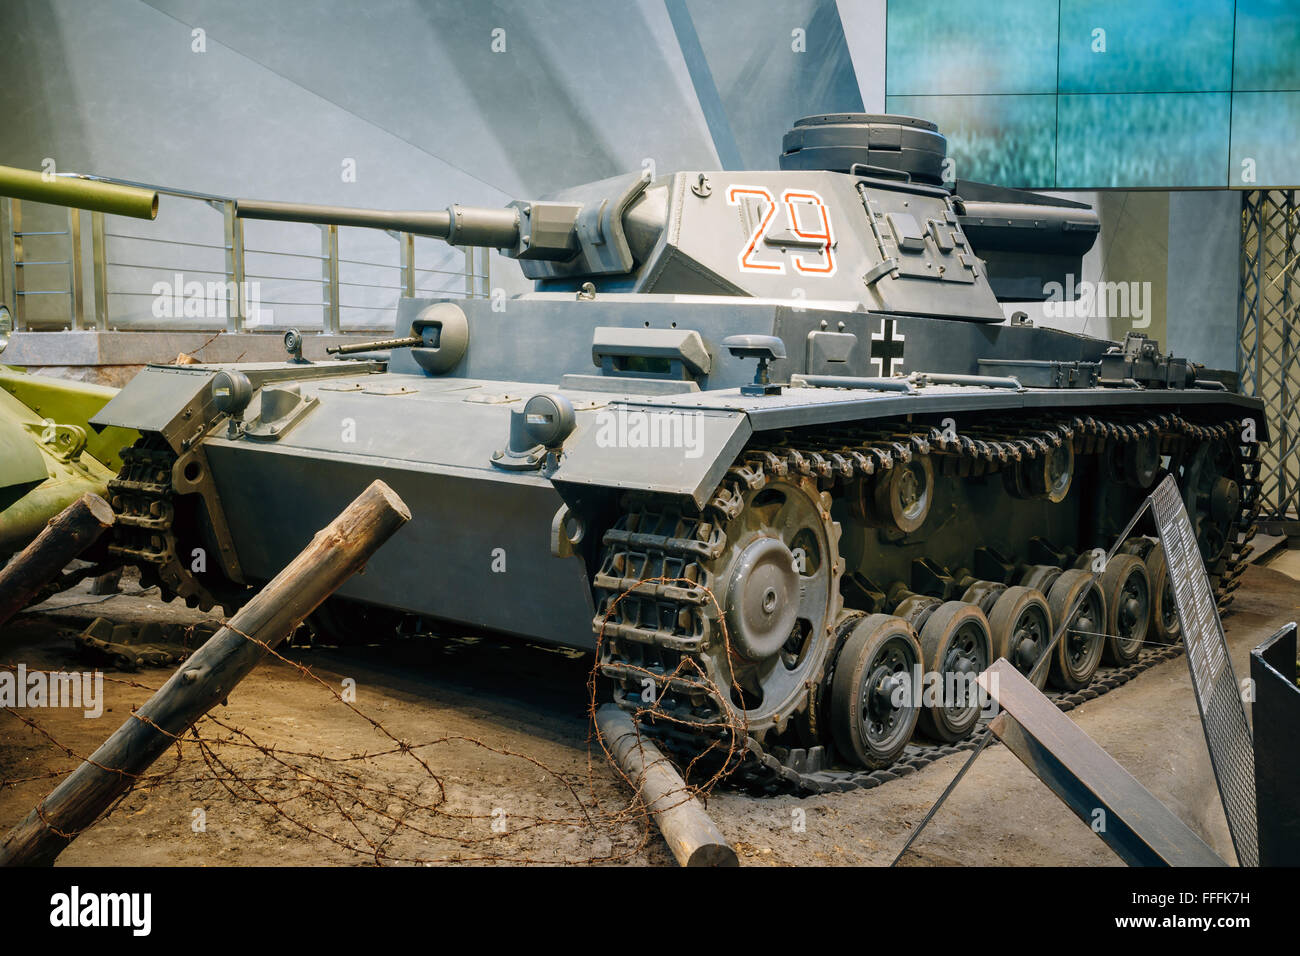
862, 210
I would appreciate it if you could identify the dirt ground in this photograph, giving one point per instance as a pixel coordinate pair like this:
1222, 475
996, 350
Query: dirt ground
501, 769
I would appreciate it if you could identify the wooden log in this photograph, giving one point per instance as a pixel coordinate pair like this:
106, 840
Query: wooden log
692, 836
68, 533
334, 555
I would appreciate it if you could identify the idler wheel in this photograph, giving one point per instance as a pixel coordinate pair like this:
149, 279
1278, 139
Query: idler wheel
1021, 624
762, 599
873, 701
1050, 476
1077, 656
1128, 604
956, 646
1164, 613
1212, 498
902, 495
1210, 539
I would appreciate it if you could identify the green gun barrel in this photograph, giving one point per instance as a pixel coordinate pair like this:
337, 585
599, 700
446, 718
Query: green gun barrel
82, 193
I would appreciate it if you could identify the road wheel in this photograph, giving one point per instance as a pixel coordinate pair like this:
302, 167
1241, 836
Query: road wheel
1078, 654
1021, 624
956, 646
1164, 614
1128, 604
873, 701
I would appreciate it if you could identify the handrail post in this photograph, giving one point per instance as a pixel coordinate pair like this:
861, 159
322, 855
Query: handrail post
99, 269
408, 263
76, 297
8, 255
234, 267
329, 238
15, 264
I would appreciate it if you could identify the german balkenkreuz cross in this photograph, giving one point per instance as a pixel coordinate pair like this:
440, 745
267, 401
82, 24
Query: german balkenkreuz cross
887, 348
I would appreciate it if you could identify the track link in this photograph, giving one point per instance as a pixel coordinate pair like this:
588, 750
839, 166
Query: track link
146, 528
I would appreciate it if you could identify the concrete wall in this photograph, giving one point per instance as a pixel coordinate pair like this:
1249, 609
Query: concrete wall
1204, 273
1181, 249
863, 22
1130, 249
422, 99
770, 62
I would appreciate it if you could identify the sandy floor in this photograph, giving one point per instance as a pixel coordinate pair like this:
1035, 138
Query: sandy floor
1287, 562
528, 791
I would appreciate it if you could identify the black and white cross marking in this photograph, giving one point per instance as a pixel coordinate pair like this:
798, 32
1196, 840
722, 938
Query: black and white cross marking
887, 348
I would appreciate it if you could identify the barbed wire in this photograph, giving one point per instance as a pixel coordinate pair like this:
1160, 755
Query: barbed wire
342, 799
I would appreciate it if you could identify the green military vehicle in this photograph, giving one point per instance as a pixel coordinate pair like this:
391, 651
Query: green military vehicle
49, 454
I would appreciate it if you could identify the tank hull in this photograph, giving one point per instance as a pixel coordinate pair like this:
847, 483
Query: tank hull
480, 550
645, 498
494, 572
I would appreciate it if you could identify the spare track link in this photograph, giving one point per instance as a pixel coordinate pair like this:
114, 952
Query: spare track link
664, 620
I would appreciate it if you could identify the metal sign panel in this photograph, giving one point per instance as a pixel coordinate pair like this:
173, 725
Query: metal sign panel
1277, 721
1223, 714
1138, 827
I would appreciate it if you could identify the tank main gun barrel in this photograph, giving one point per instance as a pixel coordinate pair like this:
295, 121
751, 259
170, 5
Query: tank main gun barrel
538, 230
458, 225
79, 192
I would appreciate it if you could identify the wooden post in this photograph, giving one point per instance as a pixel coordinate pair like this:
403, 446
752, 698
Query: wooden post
206, 679
68, 534
694, 838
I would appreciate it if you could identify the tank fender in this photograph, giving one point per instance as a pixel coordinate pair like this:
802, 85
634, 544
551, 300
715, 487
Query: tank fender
177, 401
168, 399
634, 446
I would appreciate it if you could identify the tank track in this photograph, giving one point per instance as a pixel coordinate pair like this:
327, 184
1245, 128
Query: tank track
146, 535
781, 770
665, 622
1227, 572
145, 531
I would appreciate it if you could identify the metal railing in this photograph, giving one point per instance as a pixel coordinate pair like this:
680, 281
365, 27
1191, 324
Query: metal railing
48, 267
1268, 341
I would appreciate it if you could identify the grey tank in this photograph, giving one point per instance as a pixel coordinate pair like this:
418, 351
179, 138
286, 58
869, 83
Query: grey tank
762, 440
